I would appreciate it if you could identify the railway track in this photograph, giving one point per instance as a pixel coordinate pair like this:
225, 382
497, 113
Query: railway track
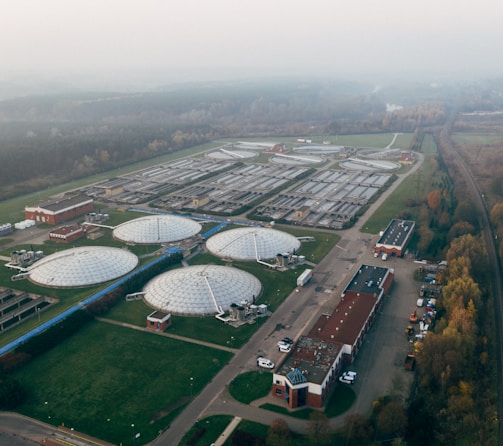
494, 262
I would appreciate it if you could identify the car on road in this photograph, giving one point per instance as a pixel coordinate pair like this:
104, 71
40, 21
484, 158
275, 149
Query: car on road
265, 363
283, 347
348, 377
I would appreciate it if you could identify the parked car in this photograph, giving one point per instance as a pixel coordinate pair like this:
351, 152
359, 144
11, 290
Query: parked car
287, 340
284, 347
265, 363
348, 377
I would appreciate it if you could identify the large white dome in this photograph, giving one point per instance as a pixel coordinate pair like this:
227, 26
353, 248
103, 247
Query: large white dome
252, 243
203, 289
156, 229
84, 266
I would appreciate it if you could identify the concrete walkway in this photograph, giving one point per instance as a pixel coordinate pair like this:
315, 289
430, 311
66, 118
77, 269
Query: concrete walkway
228, 431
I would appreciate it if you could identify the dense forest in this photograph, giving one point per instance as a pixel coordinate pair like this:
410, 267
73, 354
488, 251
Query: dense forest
46, 140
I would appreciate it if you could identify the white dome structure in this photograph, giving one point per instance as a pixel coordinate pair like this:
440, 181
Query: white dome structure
156, 229
252, 243
80, 267
202, 289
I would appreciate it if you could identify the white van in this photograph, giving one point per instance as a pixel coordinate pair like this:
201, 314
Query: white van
265, 363
385, 256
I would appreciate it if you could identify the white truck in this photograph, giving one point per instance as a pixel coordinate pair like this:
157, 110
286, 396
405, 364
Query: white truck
305, 277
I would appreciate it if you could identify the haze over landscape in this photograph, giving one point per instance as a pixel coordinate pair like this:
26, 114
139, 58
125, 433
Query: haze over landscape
370, 133
141, 44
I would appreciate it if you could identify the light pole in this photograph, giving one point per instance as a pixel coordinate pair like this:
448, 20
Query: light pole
37, 309
191, 385
232, 341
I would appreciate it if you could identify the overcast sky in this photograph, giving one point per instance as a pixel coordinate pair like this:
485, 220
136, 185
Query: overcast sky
178, 40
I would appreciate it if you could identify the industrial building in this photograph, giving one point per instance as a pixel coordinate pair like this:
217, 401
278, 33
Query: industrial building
60, 210
201, 290
394, 239
158, 321
309, 372
67, 233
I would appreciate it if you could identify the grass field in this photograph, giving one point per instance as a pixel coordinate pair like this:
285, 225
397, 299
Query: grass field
205, 431
412, 187
250, 386
107, 377
477, 138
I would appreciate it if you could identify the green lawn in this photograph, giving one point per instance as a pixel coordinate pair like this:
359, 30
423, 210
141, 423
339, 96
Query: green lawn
106, 378
474, 138
204, 432
303, 414
378, 140
412, 187
341, 400
250, 386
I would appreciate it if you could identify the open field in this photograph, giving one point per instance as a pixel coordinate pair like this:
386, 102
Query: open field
414, 187
377, 140
206, 430
108, 377
473, 138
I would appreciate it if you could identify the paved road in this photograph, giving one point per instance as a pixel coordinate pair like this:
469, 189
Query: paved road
293, 318
296, 314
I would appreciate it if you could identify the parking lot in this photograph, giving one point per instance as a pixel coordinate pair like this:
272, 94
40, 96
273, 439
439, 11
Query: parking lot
380, 361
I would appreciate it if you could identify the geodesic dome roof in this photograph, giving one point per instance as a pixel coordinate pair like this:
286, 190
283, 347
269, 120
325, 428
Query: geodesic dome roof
252, 243
84, 266
156, 229
203, 289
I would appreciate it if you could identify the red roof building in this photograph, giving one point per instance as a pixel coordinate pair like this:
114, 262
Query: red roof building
61, 210
66, 234
309, 372
406, 158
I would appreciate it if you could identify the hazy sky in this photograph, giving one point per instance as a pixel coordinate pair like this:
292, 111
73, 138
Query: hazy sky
177, 40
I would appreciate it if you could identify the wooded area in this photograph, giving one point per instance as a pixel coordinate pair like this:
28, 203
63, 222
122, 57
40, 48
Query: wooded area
47, 140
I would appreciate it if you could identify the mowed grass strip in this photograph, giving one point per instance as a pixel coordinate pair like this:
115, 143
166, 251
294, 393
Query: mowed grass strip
106, 378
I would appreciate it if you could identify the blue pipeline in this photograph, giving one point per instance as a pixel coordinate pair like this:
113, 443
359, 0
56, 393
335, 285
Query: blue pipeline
22, 339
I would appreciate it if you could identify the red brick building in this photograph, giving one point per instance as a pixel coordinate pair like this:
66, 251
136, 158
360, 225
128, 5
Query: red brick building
158, 321
395, 238
61, 210
66, 234
309, 372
